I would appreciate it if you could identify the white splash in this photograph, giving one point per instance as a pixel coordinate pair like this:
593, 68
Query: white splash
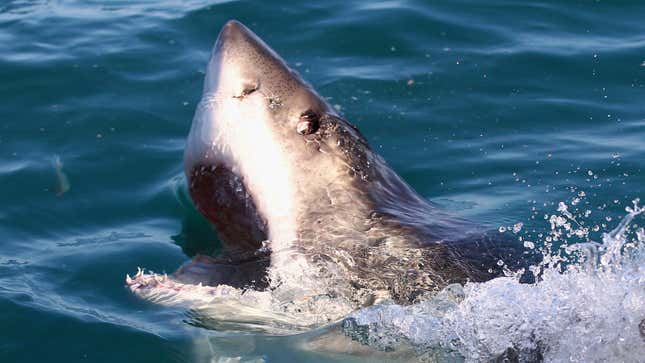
589, 311
589, 304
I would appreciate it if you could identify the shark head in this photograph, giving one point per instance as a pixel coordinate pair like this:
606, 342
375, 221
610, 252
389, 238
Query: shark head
266, 155
271, 164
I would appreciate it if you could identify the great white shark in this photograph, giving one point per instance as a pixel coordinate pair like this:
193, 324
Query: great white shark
300, 199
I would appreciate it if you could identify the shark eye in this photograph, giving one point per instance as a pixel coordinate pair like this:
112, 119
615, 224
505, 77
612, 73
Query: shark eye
308, 123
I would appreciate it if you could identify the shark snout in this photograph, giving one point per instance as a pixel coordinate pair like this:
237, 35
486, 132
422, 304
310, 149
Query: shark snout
238, 62
232, 33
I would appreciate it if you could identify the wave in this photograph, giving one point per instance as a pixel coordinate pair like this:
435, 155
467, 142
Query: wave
589, 305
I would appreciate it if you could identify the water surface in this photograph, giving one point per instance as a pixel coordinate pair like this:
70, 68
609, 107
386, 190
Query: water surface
496, 110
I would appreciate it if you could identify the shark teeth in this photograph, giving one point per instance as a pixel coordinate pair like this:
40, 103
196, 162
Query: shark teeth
142, 278
161, 288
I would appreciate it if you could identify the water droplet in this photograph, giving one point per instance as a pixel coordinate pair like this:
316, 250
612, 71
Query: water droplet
517, 227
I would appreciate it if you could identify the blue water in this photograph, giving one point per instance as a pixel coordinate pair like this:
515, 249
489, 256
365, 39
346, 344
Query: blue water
496, 110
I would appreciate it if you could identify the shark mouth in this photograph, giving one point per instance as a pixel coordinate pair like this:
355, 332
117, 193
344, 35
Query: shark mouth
280, 310
221, 196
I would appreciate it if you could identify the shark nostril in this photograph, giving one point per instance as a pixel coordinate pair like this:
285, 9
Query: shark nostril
247, 89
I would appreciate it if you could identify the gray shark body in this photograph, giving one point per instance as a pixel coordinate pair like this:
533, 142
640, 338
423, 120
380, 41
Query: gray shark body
298, 196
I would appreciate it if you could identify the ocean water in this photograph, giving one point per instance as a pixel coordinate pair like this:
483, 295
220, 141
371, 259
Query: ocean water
528, 117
